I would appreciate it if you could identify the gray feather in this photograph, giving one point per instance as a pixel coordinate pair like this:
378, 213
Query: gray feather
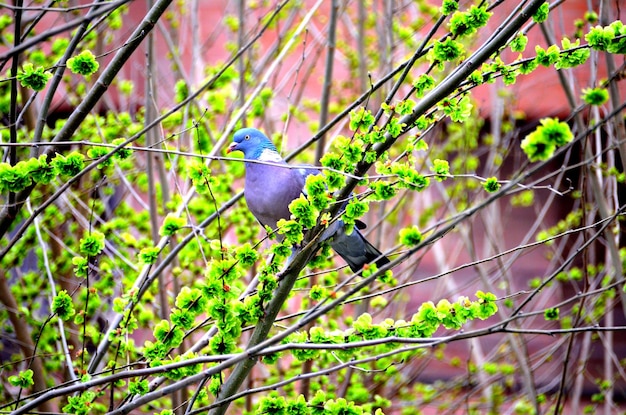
270, 188
355, 249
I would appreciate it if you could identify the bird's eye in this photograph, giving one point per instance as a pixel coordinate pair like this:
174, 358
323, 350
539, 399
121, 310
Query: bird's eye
247, 137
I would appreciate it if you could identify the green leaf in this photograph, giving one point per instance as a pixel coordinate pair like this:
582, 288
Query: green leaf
542, 12
14, 178
410, 178
261, 102
33, 78
486, 305
383, 190
318, 293
316, 189
449, 6
126, 87
405, 107
468, 22
518, 44
5, 21
600, 38
591, 17
292, 231
595, 96
40, 170
191, 300
83, 64
149, 255
172, 224
200, 176
528, 66
422, 84
69, 165
122, 153
394, 127
23, 380
426, 320
555, 131
81, 266
181, 91
80, 404
618, 44
92, 244
537, 148
273, 404
154, 351
572, 58
221, 343
448, 50
547, 57
303, 212
458, 110
140, 387
169, 336
410, 236
354, 210
551, 314
297, 406
246, 255
491, 185
182, 318
63, 306
363, 323
441, 168
361, 119
96, 153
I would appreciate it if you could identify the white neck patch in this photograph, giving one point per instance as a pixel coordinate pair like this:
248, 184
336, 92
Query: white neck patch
270, 155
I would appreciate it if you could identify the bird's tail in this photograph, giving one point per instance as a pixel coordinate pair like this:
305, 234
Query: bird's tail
373, 254
354, 248
360, 252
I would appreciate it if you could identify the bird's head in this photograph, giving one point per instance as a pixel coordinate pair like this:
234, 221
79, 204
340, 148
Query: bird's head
252, 143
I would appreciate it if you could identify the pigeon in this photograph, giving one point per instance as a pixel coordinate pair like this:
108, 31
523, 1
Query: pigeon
271, 185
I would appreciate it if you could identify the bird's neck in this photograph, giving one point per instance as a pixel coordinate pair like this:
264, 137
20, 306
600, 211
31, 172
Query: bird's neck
269, 154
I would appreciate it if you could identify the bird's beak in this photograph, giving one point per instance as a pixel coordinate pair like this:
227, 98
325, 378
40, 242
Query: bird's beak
232, 147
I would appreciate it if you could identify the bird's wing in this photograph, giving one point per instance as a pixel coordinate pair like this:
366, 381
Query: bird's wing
303, 171
353, 248
269, 191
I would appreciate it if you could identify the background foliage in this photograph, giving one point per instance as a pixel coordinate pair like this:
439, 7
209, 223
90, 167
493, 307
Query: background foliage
133, 278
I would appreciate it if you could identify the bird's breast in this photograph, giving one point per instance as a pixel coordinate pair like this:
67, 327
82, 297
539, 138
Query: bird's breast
269, 190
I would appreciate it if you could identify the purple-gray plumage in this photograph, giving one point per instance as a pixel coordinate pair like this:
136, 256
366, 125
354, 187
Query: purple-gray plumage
271, 185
